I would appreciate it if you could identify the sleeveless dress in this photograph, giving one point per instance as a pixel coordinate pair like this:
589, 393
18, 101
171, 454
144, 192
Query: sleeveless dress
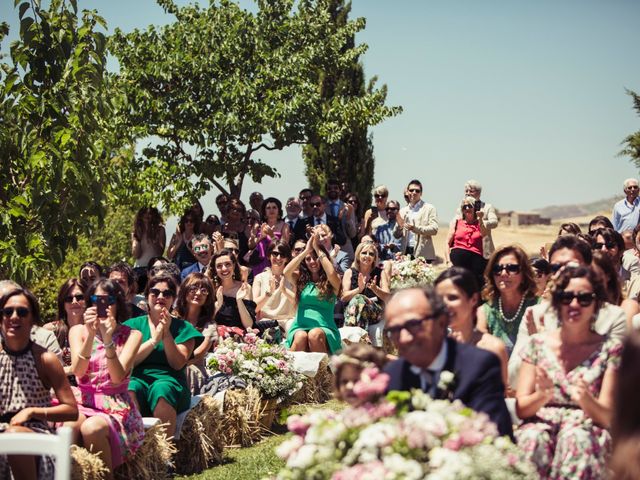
506, 331
99, 396
21, 387
316, 312
561, 440
360, 312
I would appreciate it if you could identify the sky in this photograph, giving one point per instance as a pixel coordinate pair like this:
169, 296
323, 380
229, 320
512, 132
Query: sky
526, 97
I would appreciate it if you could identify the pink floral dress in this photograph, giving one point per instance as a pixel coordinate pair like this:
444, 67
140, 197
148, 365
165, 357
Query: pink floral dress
99, 396
561, 440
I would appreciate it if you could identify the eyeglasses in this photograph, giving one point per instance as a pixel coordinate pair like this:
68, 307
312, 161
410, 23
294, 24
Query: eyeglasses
607, 245
278, 254
70, 298
156, 292
511, 268
584, 298
201, 248
317, 204
196, 289
391, 209
22, 312
467, 207
368, 253
415, 190
111, 299
412, 326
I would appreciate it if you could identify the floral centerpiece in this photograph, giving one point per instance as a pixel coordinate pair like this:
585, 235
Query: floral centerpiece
407, 272
402, 436
269, 368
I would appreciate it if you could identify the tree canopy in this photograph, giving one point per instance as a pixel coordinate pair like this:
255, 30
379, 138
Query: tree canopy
632, 142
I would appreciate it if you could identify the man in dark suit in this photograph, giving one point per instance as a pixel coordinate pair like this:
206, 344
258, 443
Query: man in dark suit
319, 217
297, 224
202, 249
416, 322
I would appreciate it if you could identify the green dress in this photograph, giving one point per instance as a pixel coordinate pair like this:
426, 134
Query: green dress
316, 312
153, 378
506, 331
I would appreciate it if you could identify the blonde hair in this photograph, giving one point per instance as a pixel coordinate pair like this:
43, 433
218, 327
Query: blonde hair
359, 249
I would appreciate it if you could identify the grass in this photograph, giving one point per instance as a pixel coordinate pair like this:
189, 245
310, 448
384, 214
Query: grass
260, 460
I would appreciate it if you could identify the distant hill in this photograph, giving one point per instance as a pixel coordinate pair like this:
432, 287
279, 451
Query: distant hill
555, 212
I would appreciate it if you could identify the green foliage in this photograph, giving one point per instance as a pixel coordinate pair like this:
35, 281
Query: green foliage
632, 142
221, 84
107, 245
58, 139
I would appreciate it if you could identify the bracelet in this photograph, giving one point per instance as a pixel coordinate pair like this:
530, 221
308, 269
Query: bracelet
153, 342
83, 357
110, 345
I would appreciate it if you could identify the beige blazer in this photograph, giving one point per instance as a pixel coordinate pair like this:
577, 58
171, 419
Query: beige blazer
426, 227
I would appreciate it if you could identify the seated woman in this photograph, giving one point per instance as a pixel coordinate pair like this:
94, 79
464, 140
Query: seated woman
272, 229
27, 375
159, 382
71, 307
461, 294
196, 304
365, 288
317, 284
102, 355
274, 295
566, 383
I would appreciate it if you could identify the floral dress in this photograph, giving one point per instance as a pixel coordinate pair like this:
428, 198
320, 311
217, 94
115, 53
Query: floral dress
561, 440
99, 396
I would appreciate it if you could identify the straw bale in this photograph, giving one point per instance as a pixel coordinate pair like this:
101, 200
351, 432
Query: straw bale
240, 425
153, 459
86, 465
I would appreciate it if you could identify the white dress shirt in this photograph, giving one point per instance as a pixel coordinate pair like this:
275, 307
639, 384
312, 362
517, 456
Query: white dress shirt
431, 375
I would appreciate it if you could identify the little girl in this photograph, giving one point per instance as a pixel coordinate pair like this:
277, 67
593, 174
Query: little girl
357, 374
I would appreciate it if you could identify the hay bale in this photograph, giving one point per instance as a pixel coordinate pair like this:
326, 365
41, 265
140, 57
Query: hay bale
240, 425
318, 389
201, 439
153, 458
86, 465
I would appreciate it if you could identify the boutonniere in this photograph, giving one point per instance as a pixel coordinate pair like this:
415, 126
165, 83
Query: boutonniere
446, 385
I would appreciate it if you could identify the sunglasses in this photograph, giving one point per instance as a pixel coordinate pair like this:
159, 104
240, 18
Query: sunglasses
352, 201
22, 312
391, 209
607, 245
632, 187
511, 268
555, 267
377, 195
156, 292
201, 249
317, 204
70, 298
584, 298
467, 207
111, 299
370, 254
415, 190
412, 326
278, 254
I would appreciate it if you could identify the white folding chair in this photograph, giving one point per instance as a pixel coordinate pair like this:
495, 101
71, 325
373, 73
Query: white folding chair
57, 446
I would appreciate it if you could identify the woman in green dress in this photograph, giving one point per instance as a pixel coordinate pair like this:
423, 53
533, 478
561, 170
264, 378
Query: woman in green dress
158, 383
317, 284
510, 289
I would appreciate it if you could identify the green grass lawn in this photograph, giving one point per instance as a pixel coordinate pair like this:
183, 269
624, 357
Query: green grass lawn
260, 460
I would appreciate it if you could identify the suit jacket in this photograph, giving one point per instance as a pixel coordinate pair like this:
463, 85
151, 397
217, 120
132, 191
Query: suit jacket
299, 231
426, 227
335, 225
190, 269
478, 381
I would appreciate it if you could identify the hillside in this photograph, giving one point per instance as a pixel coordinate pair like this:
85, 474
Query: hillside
555, 212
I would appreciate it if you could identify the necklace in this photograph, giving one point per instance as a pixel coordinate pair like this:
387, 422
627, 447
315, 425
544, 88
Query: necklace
517, 314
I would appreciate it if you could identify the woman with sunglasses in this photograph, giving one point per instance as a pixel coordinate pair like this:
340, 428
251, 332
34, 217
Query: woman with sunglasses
28, 372
610, 242
317, 284
376, 214
196, 304
603, 266
365, 288
178, 250
464, 241
159, 382
509, 290
566, 384
102, 355
273, 293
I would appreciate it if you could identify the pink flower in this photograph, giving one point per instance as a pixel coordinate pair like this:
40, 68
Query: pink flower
471, 437
372, 384
453, 443
298, 425
373, 469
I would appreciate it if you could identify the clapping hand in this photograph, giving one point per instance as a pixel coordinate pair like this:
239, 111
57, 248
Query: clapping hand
580, 393
530, 321
157, 332
544, 384
165, 321
362, 282
219, 297
479, 214
243, 292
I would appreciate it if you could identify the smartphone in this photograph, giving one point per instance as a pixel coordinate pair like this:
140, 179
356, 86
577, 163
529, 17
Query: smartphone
102, 305
374, 211
477, 206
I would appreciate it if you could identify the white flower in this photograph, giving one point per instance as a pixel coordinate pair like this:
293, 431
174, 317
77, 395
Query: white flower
446, 380
403, 468
303, 458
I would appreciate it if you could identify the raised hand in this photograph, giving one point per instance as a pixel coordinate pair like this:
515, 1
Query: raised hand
107, 327
157, 332
580, 393
242, 292
219, 297
165, 320
362, 282
530, 321
90, 317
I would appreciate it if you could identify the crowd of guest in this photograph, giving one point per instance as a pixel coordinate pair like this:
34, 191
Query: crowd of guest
534, 342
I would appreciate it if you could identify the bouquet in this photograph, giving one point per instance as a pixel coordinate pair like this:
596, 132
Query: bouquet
269, 368
406, 273
403, 436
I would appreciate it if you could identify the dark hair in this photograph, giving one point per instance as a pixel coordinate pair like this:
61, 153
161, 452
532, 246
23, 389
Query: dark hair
461, 278
610, 276
528, 286
65, 288
211, 270
600, 220
572, 242
125, 268
199, 238
153, 260
305, 190
31, 298
170, 269
626, 414
196, 221
161, 277
123, 310
568, 273
610, 235
196, 208
196, 279
280, 247
263, 208
139, 229
212, 219
325, 290
541, 265
569, 227
236, 204
358, 208
415, 182
91, 264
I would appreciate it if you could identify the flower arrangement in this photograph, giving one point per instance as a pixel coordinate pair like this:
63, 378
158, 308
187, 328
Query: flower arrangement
269, 368
407, 272
406, 435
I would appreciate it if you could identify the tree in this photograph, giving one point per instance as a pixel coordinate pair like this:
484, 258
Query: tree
57, 136
220, 85
632, 142
350, 160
